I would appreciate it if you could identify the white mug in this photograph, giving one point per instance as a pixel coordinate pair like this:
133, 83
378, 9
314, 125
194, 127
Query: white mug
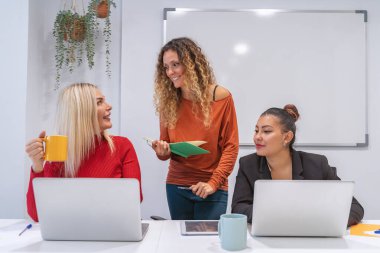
233, 231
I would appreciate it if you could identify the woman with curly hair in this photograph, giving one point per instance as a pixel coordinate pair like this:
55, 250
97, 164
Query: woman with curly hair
191, 106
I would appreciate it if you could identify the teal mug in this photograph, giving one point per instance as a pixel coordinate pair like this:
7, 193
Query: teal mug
233, 231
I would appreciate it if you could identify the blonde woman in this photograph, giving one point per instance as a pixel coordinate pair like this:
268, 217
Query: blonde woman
84, 116
191, 107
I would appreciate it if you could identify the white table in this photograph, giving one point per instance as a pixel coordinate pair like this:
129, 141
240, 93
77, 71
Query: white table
31, 240
172, 241
165, 237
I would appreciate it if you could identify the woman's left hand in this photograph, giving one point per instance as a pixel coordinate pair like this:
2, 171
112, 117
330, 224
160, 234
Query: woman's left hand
202, 189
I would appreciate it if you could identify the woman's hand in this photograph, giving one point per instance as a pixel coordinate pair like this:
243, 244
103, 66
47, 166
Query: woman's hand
35, 150
161, 148
202, 189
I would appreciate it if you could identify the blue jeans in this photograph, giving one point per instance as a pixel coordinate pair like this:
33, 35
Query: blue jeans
185, 205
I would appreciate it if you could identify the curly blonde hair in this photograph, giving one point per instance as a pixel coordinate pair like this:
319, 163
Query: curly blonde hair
198, 78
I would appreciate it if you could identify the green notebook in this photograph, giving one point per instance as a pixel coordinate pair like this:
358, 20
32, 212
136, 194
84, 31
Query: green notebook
188, 148
184, 149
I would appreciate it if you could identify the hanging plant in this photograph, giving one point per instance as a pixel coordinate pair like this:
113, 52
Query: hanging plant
102, 10
69, 31
75, 33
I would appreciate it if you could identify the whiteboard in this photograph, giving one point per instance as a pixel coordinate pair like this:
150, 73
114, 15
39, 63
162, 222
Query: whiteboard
269, 58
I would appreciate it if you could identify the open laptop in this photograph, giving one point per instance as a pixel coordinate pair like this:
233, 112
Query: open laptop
89, 209
301, 207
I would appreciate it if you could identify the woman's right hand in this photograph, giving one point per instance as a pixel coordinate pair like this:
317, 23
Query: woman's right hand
35, 150
161, 148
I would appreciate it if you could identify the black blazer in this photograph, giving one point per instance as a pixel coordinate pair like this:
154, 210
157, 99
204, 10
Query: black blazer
306, 166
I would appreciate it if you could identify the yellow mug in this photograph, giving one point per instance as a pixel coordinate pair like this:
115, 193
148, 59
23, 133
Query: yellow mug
55, 148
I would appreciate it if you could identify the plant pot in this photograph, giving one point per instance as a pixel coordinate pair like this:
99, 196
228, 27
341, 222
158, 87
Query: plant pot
74, 29
65, 36
66, 29
102, 10
78, 30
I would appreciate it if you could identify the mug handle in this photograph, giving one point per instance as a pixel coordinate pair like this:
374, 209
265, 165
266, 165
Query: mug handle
220, 228
44, 140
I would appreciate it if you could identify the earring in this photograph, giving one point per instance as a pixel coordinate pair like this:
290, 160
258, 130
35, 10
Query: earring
284, 144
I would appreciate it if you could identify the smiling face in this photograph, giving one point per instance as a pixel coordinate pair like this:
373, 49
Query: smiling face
103, 111
174, 69
269, 137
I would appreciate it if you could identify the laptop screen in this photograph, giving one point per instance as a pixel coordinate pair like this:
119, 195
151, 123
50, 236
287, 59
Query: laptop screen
101, 209
301, 207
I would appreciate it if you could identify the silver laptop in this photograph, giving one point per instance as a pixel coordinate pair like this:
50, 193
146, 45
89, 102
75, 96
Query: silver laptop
301, 207
89, 209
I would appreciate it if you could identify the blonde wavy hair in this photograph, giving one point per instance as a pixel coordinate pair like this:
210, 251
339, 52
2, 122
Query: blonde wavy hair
77, 119
198, 78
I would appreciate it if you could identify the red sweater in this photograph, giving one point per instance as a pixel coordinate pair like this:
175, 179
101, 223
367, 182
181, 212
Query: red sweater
123, 163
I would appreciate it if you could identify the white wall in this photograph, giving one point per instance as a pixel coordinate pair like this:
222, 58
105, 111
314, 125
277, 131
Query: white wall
13, 72
141, 31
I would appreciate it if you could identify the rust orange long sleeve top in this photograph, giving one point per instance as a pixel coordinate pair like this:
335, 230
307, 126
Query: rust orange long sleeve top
222, 142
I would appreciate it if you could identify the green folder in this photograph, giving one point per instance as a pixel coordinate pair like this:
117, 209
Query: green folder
186, 149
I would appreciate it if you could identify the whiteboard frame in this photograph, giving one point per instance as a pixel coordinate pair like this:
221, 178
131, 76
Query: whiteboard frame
365, 19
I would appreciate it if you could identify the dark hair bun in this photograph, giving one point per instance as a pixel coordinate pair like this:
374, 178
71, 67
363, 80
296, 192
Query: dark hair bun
292, 110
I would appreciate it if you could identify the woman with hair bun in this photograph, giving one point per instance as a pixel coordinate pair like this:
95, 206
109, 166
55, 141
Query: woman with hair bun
276, 159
